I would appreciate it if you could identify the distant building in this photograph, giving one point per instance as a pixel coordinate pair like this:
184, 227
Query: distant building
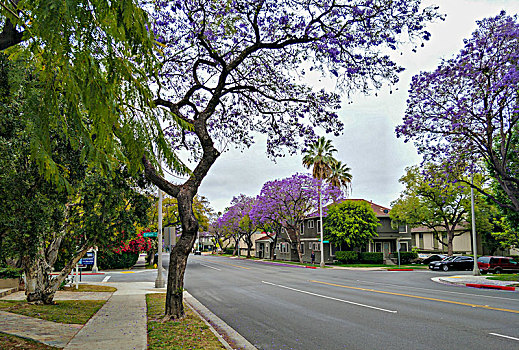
386, 242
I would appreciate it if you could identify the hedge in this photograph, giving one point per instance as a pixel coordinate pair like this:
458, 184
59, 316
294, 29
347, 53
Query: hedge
110, 260
10, 272
371, 258
228, 250
405, 257
347, 257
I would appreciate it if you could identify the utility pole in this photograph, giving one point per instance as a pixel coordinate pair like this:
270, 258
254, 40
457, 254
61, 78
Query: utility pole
159, 282
475, 271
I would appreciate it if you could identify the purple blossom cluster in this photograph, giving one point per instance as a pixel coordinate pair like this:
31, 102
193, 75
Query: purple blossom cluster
240, 64
465, 112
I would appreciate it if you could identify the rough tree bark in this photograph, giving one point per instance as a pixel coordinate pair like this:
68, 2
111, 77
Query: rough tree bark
184, 194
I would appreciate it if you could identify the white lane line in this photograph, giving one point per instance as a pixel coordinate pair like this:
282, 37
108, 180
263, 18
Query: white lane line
210, 267
504, 336
106, 278
332, 298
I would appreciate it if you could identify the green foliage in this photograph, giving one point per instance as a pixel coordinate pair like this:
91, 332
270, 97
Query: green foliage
434, 198
347, 257
351, 222
228, 250
10, 272
107, 260
405, 257
371, 258
93, 62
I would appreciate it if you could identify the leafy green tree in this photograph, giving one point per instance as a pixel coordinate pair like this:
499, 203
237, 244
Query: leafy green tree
319, 157
352, 223
437, 201
340, 176
37, 218
94, 59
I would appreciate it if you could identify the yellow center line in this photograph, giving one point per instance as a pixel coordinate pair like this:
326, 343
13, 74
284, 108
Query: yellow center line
418, 297
241, 267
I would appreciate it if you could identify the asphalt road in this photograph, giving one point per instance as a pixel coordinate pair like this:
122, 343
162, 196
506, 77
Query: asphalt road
278, 307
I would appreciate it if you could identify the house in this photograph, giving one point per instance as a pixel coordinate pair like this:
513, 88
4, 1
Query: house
387, 241
425, 240
264, 245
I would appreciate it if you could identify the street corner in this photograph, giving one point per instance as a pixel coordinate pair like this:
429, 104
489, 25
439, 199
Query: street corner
475, 282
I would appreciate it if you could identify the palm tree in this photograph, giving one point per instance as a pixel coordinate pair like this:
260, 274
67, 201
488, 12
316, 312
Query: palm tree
320, 156
340, 176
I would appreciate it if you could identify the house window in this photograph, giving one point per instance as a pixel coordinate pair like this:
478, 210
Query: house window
284, 247
302, 228
302, 248
318, 226
402, 228
403, 247
378, 247
315, 246
310, 223
278, 246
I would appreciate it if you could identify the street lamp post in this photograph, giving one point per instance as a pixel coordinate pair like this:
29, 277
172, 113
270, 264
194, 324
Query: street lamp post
475, 270
322, 228
159, 282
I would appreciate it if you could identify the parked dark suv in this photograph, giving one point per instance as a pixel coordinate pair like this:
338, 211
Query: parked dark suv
497, 264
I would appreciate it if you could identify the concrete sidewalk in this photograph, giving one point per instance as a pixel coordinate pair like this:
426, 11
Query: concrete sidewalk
477, 282
121, 323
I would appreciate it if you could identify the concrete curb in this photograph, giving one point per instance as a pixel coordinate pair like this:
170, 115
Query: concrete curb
462, 283
8, 291
214, 321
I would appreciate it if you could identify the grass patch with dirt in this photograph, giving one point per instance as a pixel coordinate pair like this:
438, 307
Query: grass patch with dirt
89, 288
505, 277
189, 333
8, 341
64, 311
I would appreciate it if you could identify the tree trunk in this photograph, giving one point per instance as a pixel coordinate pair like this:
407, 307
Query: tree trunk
298, 248
450, 238
178, 257
38, 287
248, 240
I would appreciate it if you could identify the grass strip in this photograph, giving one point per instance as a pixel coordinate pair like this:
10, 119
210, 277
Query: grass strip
505, 277
64, 311
89, 288
8, 341
188, 333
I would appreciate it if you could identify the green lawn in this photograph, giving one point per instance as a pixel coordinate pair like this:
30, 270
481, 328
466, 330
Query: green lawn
64, 311
89, 288
8, 341
505, 277
189, 333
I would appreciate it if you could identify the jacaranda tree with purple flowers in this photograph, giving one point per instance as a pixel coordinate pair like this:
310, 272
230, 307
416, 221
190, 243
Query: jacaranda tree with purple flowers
286, 202
466, 111
236, 68
237, 221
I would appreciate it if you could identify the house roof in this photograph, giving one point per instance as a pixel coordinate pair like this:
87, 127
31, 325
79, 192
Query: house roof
267, 237
379, 210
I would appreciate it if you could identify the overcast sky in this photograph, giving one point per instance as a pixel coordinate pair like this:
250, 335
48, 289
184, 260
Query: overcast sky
368, 144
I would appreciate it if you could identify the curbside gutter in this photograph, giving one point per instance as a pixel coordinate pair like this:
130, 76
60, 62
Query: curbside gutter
214, 323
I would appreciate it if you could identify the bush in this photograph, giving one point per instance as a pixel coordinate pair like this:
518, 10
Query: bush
10, 272
111, 260
347, 257
228, 250
405, 257
371, 258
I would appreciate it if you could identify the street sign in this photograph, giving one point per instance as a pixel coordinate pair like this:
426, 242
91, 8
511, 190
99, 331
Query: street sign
149, 234
325, 241
86, 261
